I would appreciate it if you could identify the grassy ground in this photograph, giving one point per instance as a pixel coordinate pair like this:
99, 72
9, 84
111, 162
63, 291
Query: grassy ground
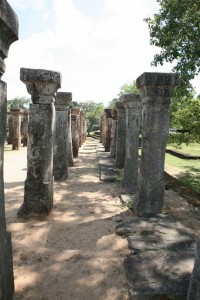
190, 170
193, 149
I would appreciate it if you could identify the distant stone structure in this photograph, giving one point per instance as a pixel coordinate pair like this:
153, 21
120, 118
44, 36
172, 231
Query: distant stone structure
132, 105
38, 196
156, 90
75, 127
60, 159
113, 133
69, 143
25, 127
15, 124
121, 134
8, 35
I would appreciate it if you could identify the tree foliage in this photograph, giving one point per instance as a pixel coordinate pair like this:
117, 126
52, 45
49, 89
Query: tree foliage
18, 102
176, 30
127, 88
92, 110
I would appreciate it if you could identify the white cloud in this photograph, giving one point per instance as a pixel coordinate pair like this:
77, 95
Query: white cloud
95, 57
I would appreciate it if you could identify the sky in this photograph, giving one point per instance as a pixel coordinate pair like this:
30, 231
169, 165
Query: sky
97, 45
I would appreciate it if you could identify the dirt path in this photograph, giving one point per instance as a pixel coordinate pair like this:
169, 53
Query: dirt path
74, 252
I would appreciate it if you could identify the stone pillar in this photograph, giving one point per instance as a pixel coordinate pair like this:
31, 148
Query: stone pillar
132, 105
16, 128
108, 123
69, 144
81, 128
194, 287
121, 135
10, 128
75, 127
156, 91
38, 196
8, 34
60, 159
101, 129
113, 133
25, 127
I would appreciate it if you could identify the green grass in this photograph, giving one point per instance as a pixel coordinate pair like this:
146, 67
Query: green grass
193, 149
190, 170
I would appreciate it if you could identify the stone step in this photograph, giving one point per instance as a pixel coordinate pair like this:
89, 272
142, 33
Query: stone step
107, 170
159, 275
162, 257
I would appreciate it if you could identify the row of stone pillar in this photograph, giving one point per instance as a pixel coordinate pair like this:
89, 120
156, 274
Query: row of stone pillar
17, 127
51, 138
148, 114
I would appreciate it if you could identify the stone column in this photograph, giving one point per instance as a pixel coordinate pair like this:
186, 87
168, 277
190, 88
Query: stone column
132, 105
75, 127
107, 128
121, 135
194, 287
113, 133
25, 127
156, 91
69, 144
16, 128
10, 128
42, 85
8, 34
60, 159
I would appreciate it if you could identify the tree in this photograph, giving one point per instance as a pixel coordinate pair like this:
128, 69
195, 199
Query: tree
18, 102
176, 30
127, 88
187, 119
92, 110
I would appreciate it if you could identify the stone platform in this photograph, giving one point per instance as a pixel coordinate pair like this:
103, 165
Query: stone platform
107, 169
161, 260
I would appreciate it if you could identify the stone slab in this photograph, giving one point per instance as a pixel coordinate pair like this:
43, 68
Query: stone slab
163, 224
127, 198
159, 274
107, 169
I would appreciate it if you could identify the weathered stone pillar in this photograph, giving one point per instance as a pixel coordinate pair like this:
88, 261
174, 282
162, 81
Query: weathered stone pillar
108, 122
75, 127
8, 34
42, 85
194, 287
132, 105
69, 144
121, 135
156, 91
25, 127
113, 133
81, 128
60, 159
16, 128
101, 129
10, 128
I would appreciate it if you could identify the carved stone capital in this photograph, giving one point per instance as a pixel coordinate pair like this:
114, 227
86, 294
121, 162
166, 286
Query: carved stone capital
41, 84
157, 87
8, 31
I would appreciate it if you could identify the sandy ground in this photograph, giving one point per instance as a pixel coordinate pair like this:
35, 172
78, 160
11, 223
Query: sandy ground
74, 252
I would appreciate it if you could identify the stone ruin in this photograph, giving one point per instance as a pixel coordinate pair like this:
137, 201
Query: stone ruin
50, 153
148, 114
162, 270
18, 120
8, 35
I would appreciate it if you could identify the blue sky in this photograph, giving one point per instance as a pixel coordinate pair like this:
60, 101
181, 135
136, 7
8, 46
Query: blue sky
97, 45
